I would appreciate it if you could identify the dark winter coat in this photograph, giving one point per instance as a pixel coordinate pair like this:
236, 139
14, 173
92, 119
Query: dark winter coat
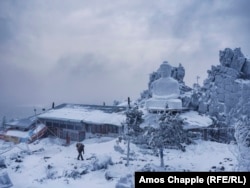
80, 147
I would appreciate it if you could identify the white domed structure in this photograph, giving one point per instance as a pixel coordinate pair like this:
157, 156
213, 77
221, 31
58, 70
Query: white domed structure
165, 91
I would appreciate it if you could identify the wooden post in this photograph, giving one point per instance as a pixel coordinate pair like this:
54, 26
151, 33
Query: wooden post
128, 102
205, 134
67, 139
161, 156
128, 150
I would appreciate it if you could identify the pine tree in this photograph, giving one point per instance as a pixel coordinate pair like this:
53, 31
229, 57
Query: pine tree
169, 134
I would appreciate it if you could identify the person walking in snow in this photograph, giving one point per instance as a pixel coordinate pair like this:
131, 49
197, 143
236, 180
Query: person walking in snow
80, 149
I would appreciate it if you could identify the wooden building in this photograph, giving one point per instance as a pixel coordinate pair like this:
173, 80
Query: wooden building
77, 122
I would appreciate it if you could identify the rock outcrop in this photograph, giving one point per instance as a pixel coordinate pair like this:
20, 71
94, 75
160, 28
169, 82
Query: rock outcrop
178, 73
226, 84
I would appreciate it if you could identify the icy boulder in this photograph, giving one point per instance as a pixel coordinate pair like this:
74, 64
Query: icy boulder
101, 162
5, 181
178, 73
232, 58
246, 69
125, 182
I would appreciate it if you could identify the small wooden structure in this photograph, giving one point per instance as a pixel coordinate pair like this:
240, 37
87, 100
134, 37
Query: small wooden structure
23, 124
17, 136
222, 134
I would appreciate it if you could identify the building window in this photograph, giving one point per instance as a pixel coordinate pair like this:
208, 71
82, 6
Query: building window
93, 129
55, 125
78, 127
87, 127
116, 129
98, 128
48, 123
62, 125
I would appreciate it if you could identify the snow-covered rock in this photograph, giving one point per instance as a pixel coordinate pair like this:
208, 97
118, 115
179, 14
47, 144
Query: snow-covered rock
125, 182
226, 84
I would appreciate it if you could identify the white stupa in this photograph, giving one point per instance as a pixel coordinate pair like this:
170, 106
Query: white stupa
165, 91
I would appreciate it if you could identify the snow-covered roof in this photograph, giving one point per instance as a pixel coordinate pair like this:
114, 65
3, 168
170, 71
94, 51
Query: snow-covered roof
17, 133
23, 123
192, 119
86, 113
25, 134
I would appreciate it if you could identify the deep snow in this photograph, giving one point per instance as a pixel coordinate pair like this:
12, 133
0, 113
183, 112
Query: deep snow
48, 163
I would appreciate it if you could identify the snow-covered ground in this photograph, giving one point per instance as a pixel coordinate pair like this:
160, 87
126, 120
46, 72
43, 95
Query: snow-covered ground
49, 163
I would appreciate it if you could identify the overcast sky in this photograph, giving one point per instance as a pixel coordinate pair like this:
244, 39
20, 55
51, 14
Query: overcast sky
84, 51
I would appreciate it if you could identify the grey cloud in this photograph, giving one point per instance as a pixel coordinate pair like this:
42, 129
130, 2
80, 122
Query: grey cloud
89, 78
17, 86
163, 22
6, 31
82, 64
89, 51
200, 16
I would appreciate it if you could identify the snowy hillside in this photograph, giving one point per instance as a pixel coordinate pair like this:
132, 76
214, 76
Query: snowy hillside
47, 163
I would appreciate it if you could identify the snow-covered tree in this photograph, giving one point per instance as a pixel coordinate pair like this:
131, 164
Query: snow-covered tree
169, 134
132, 125
146, 94
242, 136
116, 102
133, 120
239, 117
